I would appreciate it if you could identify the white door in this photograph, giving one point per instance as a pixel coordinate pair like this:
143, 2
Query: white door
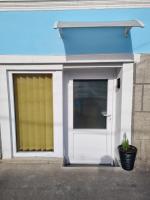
90, 119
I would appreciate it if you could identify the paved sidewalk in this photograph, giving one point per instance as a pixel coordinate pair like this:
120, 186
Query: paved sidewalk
53, 182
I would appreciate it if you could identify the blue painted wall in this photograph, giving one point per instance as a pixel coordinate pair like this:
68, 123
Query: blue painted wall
32, 33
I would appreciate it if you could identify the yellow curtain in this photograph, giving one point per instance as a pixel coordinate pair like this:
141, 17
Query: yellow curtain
33, 112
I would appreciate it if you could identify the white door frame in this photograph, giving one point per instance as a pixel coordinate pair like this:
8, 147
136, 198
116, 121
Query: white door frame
102, 74
57, 117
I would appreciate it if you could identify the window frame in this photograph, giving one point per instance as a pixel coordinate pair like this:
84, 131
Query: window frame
56, 115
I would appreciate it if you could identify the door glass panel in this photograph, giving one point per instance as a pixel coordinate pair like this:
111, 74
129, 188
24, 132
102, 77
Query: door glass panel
89, 104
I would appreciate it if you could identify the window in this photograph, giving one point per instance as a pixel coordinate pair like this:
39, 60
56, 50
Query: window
89, 104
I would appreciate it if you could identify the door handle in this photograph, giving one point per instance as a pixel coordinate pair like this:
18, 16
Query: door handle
105, 114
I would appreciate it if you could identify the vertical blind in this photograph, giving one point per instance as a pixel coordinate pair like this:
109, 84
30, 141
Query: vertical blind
33, 112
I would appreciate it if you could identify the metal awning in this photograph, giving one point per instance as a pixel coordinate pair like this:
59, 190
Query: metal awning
111, 24
130, 23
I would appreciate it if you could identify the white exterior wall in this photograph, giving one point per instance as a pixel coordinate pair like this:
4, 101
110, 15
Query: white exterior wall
5, 115
122, 106
126, 100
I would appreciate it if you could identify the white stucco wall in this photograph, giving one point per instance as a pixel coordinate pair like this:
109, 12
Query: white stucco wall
122, 103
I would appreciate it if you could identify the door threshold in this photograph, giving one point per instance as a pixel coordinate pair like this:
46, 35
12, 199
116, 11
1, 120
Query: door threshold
88, 165
76, 163
83, 164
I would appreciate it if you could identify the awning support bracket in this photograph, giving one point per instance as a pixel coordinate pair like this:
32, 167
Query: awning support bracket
126, 31
61, 33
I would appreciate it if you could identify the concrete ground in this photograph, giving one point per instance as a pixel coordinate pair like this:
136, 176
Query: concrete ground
44, 181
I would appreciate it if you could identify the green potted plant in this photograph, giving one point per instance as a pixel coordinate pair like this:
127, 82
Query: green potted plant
127, 154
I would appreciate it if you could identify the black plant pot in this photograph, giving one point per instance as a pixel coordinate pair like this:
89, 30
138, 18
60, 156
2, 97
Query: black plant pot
127, 158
